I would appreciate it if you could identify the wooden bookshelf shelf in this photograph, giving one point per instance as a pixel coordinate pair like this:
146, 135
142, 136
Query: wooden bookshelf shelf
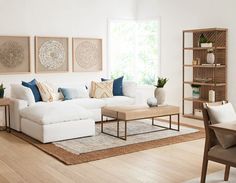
205, 66
208, 76
195, 99
204, 84
200, 48
205, 30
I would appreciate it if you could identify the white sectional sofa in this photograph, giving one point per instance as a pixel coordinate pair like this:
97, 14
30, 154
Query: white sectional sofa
60, 120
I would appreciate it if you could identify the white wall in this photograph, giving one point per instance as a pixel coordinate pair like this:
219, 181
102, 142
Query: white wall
177, 15
70, 18
88, 18
73, 18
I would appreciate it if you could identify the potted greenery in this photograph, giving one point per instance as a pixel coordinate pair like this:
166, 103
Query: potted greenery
203, 42
196, 91
2, 91
159, 91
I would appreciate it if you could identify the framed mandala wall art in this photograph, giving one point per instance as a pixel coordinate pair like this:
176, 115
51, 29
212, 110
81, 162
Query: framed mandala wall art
14, 54
51, 54
87, 54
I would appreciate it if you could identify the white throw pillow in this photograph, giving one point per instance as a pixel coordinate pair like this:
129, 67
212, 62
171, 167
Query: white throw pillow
23, 93
223, 114
129, 89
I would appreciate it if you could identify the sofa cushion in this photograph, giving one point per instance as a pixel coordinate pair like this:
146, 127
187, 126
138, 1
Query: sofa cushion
88, 103
33, 86
54, 112
223, 114
118, 100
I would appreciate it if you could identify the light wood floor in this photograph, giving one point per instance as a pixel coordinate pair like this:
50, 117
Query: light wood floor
22, 162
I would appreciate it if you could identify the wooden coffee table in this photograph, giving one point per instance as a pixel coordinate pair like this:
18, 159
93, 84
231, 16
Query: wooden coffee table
131, 113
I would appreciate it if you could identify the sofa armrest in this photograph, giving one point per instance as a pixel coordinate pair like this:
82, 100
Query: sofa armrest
130, 89
22, 93
16, 106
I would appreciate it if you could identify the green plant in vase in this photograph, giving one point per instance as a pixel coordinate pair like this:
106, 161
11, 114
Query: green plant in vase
161, 82
202, 39
2, 91
196, 91
159, 91
204, 42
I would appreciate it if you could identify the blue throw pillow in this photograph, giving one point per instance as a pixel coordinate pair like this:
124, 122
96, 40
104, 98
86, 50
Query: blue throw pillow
117, 86
69, 93
32, 85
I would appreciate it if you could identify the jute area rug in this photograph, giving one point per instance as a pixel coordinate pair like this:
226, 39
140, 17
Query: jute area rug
100, 146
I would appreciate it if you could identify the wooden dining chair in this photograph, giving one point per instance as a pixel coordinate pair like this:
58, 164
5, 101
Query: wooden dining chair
213, 151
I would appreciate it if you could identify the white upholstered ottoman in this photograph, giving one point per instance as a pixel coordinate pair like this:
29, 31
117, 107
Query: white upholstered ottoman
49, 122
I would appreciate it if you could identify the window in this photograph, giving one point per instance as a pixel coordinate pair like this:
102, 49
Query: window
134, 50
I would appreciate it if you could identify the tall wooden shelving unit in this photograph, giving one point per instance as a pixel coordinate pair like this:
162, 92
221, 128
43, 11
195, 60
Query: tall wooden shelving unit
216, 71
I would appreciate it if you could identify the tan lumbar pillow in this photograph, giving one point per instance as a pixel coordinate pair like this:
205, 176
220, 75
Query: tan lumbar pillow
47, 93
102, 89
223, 114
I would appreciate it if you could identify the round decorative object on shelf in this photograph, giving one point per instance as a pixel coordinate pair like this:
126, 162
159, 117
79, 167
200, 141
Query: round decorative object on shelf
160, 95
152, 102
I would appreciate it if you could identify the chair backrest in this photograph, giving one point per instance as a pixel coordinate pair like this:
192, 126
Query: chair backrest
211, 139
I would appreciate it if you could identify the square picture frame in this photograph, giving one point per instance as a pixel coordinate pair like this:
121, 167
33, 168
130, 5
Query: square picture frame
51, 54
15, 55
87, 54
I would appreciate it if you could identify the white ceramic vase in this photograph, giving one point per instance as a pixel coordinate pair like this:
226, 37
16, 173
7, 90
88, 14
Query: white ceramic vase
210, 58
160, 95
